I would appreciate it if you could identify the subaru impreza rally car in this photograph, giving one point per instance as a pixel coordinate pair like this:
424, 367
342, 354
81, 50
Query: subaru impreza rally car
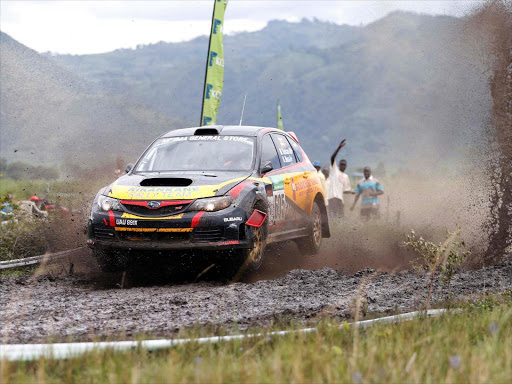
221, 188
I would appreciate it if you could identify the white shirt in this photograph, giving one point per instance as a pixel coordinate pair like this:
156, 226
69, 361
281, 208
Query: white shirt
338, 182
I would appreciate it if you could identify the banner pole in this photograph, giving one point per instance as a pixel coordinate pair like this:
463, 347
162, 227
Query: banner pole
206, 68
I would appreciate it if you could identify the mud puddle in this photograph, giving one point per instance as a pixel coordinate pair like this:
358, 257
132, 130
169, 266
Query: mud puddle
72, 307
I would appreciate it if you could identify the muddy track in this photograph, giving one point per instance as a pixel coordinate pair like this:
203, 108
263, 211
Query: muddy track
78, 307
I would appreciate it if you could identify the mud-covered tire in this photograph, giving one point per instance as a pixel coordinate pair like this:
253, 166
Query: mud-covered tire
110, 261
253, 258
310, 245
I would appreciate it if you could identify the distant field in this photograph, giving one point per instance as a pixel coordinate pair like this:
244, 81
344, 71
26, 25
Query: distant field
473, 346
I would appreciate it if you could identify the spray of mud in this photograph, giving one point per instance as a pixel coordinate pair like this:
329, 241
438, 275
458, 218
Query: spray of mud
475, 83
495, 20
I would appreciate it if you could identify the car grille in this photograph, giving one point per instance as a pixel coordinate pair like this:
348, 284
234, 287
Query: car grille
208, 234
168, 210
103, 234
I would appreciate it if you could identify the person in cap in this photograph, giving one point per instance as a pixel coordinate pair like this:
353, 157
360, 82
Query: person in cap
318, 167
370, 189
339, 183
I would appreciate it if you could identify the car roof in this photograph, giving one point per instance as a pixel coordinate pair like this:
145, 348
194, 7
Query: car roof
239, 130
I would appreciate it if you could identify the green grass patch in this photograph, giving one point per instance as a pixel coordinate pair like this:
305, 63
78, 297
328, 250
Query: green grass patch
472, 346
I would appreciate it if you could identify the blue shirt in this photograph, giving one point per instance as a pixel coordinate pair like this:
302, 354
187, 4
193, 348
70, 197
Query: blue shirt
364, 188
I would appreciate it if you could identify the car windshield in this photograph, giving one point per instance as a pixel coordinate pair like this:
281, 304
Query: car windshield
198, 153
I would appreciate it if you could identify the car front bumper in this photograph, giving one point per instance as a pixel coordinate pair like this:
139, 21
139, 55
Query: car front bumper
221, 230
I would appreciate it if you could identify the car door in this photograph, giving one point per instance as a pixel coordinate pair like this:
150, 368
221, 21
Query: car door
289, 175
275, 186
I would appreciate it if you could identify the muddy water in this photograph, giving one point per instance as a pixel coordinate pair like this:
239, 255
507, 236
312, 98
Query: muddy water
78, 307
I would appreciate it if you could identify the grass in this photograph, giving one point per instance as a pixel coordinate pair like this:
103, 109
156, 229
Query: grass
473, 346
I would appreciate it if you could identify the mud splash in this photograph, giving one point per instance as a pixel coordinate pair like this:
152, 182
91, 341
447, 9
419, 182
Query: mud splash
496, 18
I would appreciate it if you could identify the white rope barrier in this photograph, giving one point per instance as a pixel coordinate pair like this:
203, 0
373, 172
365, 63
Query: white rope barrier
26, 352
8, 264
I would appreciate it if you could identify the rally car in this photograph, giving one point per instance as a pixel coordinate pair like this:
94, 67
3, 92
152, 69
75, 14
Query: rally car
217, 188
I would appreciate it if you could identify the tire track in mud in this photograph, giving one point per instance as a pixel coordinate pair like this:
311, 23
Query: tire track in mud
72, 307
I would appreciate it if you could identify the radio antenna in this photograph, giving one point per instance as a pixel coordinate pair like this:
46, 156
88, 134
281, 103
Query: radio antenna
243, 108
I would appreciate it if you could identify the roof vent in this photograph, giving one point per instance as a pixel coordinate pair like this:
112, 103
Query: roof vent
206, 131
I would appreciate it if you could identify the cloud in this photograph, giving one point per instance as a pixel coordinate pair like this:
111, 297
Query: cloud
93, 27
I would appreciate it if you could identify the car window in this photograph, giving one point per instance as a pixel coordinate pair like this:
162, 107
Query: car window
284, 150
296, 149
269, 153
198, 153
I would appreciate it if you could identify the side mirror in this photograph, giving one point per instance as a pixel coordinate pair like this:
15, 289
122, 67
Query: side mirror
267, 167
129, 167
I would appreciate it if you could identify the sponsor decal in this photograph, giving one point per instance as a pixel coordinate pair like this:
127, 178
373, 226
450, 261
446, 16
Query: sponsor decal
130, 216
243, 139
166, 192
230, 242
129, 229
287, 159
228, 219
307, 186
277, 182
282, 141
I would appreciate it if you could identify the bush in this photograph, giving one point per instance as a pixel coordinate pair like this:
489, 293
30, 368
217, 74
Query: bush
440, 258
19, 239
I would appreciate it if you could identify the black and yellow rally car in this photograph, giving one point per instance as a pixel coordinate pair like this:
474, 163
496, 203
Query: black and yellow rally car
221, 188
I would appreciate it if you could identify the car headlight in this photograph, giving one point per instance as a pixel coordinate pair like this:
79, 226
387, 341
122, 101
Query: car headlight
109, 204
211, 204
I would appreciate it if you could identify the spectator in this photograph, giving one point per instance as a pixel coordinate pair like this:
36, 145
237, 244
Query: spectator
321, 176
370, 189
338, 184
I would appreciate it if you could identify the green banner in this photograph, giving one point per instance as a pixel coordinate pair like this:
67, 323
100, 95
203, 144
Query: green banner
214, 80
279, 117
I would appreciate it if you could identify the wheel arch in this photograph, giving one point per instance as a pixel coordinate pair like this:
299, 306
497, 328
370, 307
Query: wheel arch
319, 199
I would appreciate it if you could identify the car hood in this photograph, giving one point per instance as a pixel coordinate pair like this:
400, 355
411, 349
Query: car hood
174, 185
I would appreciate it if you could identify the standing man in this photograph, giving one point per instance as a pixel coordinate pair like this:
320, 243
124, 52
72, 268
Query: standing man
338, 184
370, 188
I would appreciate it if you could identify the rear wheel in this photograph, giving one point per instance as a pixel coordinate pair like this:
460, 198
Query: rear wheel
310, 245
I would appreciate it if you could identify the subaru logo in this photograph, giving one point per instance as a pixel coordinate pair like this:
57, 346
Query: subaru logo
153, 204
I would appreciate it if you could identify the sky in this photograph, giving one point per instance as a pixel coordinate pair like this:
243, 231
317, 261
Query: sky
87, 27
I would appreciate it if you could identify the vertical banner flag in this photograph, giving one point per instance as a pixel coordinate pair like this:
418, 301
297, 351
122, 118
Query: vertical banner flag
279, 117
214, 75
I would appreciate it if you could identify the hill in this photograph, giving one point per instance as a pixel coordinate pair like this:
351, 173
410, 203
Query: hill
51, 116
401, 89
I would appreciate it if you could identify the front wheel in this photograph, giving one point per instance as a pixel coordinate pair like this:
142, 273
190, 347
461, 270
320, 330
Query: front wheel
253, 258
310, 245
240, 261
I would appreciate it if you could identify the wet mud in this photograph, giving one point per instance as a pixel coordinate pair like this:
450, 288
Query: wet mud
92, 305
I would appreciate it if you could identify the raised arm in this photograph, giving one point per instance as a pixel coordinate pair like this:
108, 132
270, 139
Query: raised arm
333, 157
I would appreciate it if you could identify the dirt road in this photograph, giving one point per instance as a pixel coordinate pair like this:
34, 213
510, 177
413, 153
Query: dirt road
84, 306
